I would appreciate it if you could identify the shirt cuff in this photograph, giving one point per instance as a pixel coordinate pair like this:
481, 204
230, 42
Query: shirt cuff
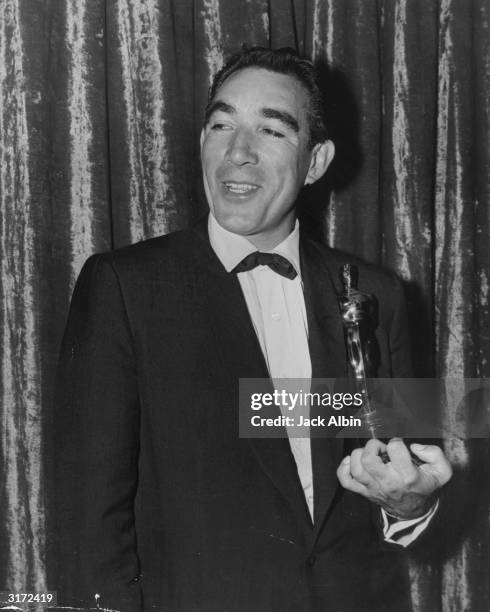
405, 531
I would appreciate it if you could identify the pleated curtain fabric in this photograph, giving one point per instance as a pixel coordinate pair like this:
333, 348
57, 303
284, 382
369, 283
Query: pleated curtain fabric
101, 106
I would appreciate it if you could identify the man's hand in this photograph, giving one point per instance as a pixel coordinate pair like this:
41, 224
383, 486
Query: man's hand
401, 488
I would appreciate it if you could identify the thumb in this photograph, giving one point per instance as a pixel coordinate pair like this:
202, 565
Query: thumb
434, 461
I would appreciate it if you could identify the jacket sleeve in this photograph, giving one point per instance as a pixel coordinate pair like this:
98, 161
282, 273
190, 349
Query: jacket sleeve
96, 448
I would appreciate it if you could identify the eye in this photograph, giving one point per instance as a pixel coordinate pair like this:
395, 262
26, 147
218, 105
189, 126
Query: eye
219, 127
273, 133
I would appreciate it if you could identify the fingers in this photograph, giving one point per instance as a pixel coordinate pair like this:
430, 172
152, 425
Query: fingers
366, 468
398, 485
360, 471
401, 461
357, 468
347, 480
435, 461
370, 460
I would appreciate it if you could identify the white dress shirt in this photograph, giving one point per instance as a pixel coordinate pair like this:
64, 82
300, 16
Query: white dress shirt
277, 308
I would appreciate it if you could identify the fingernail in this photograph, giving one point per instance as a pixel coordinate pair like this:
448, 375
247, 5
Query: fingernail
346, 459
418, 446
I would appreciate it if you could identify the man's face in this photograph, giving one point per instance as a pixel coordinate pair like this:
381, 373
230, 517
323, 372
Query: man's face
255, 154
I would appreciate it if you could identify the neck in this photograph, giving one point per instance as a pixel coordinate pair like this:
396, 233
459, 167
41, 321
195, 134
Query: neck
267, 242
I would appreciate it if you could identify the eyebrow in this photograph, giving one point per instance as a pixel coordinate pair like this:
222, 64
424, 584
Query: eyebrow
218, 106
282, 116
268, 113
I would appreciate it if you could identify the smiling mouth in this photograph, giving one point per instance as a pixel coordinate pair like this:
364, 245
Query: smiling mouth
240, 188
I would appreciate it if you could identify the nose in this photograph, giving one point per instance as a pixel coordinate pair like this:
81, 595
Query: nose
241, 149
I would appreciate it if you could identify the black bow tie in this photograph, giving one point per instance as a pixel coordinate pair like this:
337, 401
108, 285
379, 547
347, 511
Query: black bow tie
276, 262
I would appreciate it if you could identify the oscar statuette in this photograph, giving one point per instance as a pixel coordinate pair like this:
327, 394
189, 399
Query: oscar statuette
359, 319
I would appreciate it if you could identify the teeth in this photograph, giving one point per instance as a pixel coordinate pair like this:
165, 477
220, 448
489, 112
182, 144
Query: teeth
239, 187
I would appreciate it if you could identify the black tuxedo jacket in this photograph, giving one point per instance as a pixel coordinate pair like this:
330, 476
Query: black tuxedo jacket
160, 505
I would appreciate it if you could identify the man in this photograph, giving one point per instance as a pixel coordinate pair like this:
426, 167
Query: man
162, 506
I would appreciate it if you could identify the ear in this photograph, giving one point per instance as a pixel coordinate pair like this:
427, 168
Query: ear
321, 158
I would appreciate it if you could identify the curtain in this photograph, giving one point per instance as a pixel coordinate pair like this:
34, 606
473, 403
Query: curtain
101, 104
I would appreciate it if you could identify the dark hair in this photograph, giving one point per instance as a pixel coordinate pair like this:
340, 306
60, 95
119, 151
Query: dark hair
283, 61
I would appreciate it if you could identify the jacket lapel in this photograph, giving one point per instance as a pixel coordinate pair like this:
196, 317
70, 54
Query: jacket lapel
328, 358
242, 357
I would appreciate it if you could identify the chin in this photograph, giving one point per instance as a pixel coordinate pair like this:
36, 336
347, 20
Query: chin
236, 225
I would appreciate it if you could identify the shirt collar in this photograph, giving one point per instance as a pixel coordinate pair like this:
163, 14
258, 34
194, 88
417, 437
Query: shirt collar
231, 248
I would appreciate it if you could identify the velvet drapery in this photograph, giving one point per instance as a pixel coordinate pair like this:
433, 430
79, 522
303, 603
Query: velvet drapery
101, 103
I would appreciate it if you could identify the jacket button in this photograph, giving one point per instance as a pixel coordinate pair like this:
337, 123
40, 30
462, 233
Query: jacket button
310, 562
